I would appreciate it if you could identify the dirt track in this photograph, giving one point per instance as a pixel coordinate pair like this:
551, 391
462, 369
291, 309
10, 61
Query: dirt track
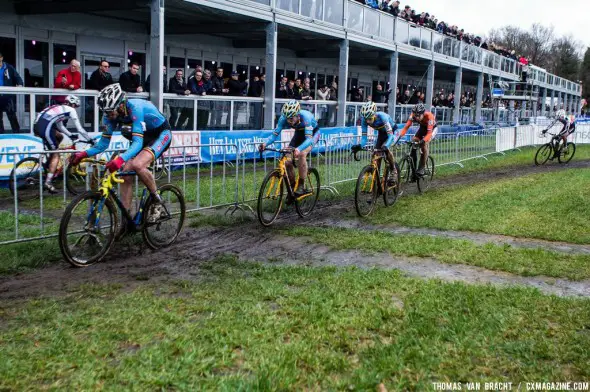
132, 265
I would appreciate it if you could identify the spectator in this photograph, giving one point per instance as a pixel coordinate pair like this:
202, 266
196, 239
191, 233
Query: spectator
70, 77
291, 93
235, 87
306, 90
324, 93
414, 98
218, 88
130, 81
372, 3
392, 7
334, 92
147, 84
398, 96
282, 88
180, 110
262, 84
405, 98
101, 77
199, 86
8, 78
298, 88
380, 95
256, 89
356, 94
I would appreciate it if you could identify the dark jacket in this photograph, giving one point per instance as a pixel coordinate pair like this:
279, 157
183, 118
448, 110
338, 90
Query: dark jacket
129, 83
148, 84
236, 87
177, 87
11, 79
198, 88
381, 96
217, 85
255, 89
99, 80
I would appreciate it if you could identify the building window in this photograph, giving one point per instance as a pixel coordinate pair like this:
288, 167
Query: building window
36, 72
62, 55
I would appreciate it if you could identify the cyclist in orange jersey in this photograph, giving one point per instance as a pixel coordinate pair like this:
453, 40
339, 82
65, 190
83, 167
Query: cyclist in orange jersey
428, 130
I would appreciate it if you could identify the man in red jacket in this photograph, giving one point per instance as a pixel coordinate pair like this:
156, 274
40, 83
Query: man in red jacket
69, 78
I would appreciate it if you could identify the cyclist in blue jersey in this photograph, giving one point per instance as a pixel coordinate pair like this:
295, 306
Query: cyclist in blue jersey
149, 137
306, 135
384, 125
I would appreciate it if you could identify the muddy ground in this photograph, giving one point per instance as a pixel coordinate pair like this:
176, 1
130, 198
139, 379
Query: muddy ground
133, 265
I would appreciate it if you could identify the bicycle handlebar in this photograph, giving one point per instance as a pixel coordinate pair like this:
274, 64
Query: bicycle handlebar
284, 151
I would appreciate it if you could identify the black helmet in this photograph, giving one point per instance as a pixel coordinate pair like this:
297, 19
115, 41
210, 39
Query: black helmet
419, 109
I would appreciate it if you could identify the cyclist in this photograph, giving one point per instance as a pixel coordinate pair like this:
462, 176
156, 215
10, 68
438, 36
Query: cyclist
569, 125
149, 137
50, 126
384, 125
306, 135
427, 131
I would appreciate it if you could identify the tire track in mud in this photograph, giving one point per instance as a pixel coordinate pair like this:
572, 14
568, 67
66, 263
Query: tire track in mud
182, 261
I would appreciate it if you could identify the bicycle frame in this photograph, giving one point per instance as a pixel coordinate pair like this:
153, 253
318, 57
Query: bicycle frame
376, 159
282, 167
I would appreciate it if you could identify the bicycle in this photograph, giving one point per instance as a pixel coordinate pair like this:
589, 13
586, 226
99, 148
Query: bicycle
273, 188
370, 184
408, 170
28, 175
554, 149
87, 231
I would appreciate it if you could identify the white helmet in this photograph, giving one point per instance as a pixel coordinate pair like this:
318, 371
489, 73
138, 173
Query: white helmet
110, 97
560, 114
72, 100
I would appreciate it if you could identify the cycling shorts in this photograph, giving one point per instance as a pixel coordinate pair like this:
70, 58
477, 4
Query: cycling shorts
159, 144
568, 131
299, 138
423, 131
47, 131
381, 139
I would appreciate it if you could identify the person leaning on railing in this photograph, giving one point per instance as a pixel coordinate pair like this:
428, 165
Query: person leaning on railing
9, 77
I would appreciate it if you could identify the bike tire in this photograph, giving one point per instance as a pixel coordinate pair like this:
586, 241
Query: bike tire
76, 183
67, 219
391, 192
365, 199
425, 180
176, 207
571, 151
543, 154
405, 171
26, 176
305, 204
272, 179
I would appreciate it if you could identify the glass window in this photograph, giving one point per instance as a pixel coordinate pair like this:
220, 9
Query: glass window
138, 58
288, 5
176, 63
62, 55
36, 64
242, 72
334, 11
256, 70
8, 50
312, 8
210, 65
193, 64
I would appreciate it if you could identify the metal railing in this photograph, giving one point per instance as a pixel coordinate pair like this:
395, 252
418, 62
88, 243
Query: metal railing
232, 180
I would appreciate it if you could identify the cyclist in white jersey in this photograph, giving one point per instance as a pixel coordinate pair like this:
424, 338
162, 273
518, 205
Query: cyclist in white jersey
50, 127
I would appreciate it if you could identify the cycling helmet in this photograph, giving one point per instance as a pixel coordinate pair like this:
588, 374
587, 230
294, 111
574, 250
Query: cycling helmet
419, 109
560, 114
291, 109
72, 100
368, 109
110, 97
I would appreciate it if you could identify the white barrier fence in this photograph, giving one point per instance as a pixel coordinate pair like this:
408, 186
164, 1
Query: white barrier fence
234, 182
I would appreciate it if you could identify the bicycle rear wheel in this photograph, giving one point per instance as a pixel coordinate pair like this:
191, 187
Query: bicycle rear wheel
405, 171
392, 185
305, 204
87, 229
543, 154
425, 180
570, 150
365, 193
164, 230
26, 177
270, 198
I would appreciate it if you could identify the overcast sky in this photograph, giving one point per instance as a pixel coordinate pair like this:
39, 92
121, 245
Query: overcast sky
478, 17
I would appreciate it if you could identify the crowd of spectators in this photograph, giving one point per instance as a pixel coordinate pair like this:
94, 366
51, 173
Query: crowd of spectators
429, 21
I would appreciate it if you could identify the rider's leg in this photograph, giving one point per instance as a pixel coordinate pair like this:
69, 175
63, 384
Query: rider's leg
423, 157
290, 172
390, 159
302, 166
53, 161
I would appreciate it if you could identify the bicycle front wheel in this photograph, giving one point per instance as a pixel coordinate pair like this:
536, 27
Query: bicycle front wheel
306, 203
162, 230
87, 229
25, 178
405, 171
270, 198
76, 178
543, 154
365, 193
425, 180
567, 153
392, 185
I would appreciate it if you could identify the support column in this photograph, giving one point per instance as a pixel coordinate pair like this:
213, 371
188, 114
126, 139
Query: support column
392, 101
457, 109
570, 104
511, 112
271, 75
552, 104
559, 99
157, 53
566, 102
430, 86
544, 101
479, 98
342, 83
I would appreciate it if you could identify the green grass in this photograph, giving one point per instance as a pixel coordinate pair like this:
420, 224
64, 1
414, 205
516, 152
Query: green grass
520, 261
248, 327
550, 206
24, 256
28, 226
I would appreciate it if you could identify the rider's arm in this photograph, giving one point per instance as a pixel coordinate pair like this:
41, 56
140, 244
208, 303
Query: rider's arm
308, 138
275, 134
429, 129
61, 127
406, 127
78, 125
390, 134
363, 132
136, 139
105, 138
